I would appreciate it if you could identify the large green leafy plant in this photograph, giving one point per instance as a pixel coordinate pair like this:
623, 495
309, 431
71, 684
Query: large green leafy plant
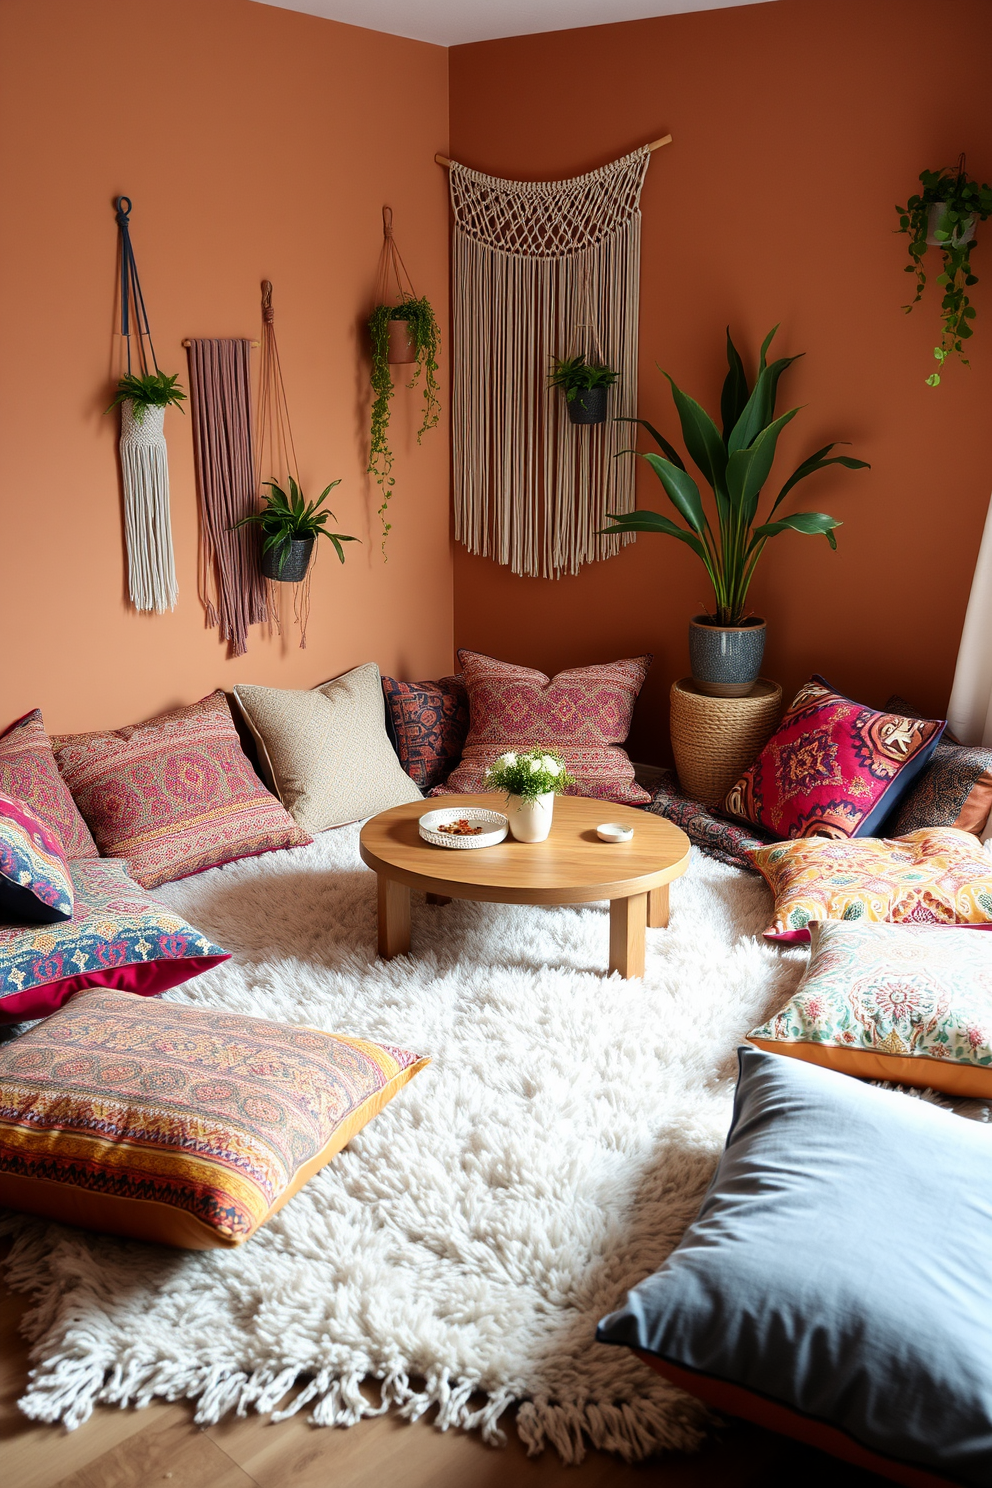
426, 338
962, 201
288, 515
736, 464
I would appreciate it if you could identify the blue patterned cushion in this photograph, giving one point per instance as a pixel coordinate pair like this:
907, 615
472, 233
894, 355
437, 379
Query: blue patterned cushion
727, 841
427, 723
35, 886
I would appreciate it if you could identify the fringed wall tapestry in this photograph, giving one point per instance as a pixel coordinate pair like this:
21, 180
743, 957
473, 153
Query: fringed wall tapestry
231, 586
542, 270
144, 393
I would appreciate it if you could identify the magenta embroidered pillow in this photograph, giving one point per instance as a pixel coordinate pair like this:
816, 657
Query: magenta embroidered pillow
35, 884
28, 773
427, 723
584, 713
832, 768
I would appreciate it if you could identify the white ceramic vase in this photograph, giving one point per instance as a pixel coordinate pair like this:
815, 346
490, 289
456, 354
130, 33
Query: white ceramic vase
530, 816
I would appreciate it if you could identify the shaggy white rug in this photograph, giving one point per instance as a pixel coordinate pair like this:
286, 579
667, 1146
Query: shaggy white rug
463, 1247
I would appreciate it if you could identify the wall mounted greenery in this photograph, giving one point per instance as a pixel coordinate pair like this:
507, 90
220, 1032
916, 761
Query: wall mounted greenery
290, 526
578, 378
150, 390
943, 215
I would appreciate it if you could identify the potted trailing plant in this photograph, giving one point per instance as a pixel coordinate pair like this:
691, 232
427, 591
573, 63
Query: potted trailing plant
290, 527
727, 646
406, 332
531, 781
943, 215
584, 385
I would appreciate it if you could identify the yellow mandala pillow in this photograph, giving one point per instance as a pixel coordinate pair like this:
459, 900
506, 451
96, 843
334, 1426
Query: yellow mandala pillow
934, 876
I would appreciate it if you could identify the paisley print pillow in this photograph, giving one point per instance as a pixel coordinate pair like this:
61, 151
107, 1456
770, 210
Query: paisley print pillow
28, 772
174, 795
427, 723
937, 876
35, 886
908, 1003
832, 768
185, 1126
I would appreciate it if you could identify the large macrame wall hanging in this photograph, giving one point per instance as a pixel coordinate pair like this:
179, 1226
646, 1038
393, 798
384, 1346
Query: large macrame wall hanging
231, 586
542, 269
151, 568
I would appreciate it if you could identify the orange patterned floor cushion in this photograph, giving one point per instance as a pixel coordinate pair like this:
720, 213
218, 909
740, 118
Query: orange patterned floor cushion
174, 795
184, 1126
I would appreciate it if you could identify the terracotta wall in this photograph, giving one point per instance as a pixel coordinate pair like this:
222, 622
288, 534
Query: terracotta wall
255, 142
797, 126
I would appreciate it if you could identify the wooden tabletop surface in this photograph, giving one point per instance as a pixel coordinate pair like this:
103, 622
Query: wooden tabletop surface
571, 867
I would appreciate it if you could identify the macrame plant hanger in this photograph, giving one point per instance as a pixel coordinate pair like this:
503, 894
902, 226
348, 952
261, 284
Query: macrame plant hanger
401, 351
144, 460
275, 453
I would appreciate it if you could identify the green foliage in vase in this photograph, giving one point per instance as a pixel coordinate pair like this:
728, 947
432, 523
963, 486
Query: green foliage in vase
963, 200
736, 462
575, 374
426, 338
288, 515
153, 390
531, 773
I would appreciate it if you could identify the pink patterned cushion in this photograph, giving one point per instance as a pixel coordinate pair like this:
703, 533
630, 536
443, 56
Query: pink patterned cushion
174, 795
35, 884
28, 772
584, 713
832, 768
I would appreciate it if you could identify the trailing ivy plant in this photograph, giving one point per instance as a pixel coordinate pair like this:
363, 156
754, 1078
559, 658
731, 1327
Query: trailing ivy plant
426, 339
963, 201
153, 390
575, 374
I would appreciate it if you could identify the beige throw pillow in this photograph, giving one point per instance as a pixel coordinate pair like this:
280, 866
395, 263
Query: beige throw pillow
326, 751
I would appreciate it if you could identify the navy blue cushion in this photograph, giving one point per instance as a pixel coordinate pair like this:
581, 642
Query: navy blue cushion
841, 1266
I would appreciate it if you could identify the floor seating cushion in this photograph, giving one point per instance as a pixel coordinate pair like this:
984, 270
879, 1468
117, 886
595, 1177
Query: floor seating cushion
832, 768
185, 1126
908, 1003
954, 790
427, 723
584, 713
35, 883
728, 841
28, 773
174, 795
325, 750
839, 1272
937, 876
118, 936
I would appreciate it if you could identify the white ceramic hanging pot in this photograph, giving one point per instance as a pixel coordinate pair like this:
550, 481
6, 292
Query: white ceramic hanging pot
530, 816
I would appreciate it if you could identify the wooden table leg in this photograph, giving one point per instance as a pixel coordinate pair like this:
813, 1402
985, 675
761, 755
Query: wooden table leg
628, 918
394, 918
658, 908
438, 898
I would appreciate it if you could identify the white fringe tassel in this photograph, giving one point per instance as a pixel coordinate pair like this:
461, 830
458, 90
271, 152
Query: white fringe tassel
147, 525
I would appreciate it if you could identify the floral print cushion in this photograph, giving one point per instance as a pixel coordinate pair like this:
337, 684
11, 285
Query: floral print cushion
727, 841
908, 1003
936, 876
832, 768
427, 723
186, 1126
35, 885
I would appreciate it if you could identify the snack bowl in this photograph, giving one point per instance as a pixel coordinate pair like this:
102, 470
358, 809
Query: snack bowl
614, 832
494, 824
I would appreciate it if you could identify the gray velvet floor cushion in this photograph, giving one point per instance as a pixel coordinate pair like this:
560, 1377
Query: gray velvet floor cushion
841, 1267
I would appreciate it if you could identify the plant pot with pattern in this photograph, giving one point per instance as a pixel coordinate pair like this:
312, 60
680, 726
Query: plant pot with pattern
290, 527
725, 659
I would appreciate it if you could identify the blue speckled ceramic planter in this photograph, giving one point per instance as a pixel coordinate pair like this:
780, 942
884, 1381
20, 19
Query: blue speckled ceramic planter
725, 659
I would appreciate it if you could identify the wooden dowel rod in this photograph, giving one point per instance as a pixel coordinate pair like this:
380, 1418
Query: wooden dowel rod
654, 145
255, 344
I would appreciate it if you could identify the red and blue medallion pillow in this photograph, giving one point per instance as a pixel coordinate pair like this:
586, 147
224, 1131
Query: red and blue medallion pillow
427, 723
35, 884
832, 768
118, 937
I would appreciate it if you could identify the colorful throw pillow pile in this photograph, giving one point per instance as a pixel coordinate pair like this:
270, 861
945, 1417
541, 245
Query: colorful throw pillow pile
35, 883
584, 713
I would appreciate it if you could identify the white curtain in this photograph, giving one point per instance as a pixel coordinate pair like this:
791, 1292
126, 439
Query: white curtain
969, 713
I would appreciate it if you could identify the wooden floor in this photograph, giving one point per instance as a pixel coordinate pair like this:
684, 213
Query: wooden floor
159, 1447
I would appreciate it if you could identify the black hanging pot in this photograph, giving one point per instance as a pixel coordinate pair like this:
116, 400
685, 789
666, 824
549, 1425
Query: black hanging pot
588, 406
288, 561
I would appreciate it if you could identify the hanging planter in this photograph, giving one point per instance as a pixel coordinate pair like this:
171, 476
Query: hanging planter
143, 397
290, 526
585, 385
944, 215
403, 333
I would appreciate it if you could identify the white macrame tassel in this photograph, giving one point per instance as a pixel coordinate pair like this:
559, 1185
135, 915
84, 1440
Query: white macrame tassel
147, 525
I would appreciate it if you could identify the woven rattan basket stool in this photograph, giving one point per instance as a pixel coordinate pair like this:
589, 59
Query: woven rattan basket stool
715, 739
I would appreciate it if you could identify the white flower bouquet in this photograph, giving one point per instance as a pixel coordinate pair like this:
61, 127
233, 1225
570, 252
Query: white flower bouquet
537, 772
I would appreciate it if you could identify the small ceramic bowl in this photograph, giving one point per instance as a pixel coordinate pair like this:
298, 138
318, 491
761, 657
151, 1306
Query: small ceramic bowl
614, 832
494, 824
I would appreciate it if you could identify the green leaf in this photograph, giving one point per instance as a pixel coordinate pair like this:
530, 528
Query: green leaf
649, 521
701, 435
659, 439
681, 490
735, 393
748, 469
811, 523
815, 462
759, 410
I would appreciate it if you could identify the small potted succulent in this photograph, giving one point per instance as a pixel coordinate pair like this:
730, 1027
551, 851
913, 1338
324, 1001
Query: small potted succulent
290, 528
531, 781
404, 333
584, 385
943, 215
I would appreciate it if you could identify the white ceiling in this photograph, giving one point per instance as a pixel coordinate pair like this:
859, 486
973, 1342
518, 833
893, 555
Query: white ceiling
452, 22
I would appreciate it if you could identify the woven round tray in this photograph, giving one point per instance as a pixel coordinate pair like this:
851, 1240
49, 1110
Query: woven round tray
715, 739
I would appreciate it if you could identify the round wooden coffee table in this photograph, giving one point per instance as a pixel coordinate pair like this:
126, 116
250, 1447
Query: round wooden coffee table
572, 867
